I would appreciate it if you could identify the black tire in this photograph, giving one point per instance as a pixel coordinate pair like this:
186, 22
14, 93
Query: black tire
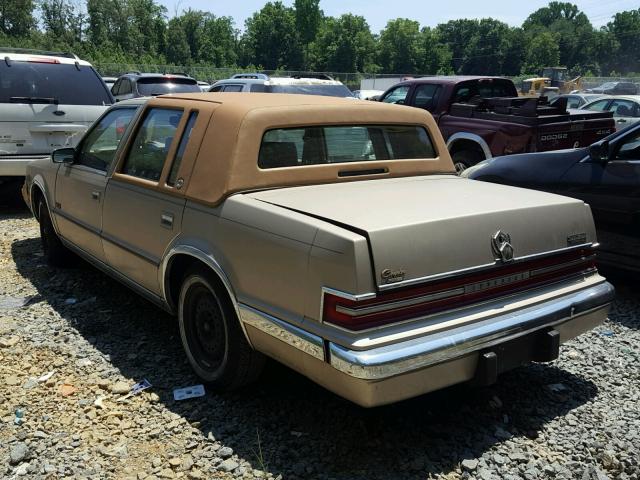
463, 159
212, 337
56, 254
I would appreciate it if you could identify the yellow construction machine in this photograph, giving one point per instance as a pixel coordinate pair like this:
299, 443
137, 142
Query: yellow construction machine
554, 81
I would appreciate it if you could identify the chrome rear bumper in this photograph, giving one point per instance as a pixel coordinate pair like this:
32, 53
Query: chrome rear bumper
401, 370
390, 360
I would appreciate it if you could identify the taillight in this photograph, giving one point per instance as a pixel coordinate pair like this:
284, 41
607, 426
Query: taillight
414, 302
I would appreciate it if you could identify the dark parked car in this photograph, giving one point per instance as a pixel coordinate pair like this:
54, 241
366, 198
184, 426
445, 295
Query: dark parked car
615, 88
606, 176
136, 84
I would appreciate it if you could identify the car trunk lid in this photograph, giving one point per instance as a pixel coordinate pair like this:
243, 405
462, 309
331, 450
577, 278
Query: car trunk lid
424, 228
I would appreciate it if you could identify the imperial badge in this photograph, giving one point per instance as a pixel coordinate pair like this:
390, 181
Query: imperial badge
501, 246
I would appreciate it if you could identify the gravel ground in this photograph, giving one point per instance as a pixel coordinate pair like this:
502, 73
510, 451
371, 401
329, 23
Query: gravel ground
577, 418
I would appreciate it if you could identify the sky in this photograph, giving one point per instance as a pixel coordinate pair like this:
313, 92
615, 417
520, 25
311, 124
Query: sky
428, 13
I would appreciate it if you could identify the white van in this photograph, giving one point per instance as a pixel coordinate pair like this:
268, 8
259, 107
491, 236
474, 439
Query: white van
47, 101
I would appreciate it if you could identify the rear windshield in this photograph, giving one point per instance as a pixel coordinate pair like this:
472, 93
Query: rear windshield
292, 147
324, 90
485, 88
33, 82
160, 86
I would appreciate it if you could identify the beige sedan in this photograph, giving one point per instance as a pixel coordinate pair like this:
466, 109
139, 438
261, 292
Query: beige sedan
330, 235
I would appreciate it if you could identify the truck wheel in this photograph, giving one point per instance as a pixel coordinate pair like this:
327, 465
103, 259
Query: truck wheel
56, 254
211, 335
463, 159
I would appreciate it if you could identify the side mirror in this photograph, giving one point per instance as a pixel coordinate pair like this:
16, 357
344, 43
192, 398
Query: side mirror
64, 155
599, 152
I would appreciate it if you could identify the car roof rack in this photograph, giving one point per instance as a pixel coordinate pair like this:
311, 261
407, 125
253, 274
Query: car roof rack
133, 72
39, 52
252, 76
319, 76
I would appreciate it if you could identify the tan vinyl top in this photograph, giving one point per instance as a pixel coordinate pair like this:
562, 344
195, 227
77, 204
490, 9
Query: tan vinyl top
227, 160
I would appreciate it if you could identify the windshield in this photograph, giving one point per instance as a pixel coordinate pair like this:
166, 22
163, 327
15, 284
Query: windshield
162, 85
324, 90
35, 82
294, 147
607, 85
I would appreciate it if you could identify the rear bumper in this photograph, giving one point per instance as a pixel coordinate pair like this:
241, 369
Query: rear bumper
16, 166
402, 370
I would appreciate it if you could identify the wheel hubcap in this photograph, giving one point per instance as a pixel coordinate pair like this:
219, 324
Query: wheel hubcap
204, 328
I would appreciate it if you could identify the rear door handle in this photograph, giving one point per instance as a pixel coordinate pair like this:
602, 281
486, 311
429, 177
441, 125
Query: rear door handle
95, 195
166, 220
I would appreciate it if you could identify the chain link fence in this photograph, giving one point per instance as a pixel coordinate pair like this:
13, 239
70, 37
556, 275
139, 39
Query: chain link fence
355, 81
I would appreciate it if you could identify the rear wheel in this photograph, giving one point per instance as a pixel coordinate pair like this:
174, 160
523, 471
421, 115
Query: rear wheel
55, 252
211, 335
463, 159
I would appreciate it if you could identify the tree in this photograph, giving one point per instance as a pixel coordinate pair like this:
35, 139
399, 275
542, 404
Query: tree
624, 31
437, 55
308, 19
343, 44
218, 42
62, 20
400, 49
271, 40
571, 27
16, 17
457, 35
178, 51
486, 49
542, 51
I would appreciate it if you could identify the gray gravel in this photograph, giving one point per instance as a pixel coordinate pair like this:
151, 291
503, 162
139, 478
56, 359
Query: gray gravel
577, 418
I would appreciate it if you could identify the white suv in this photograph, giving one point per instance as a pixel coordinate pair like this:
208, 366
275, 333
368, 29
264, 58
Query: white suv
47, 101
305, 84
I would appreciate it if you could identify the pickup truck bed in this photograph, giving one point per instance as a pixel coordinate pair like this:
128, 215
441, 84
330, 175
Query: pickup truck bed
483, 117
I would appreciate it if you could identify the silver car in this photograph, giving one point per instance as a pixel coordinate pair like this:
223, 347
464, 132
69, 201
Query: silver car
47, 101
330, 235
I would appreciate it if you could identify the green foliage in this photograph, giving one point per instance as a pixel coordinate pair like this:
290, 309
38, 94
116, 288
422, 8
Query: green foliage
16, 17
137, 34
343, 44
542, 51
400, 48
271, 38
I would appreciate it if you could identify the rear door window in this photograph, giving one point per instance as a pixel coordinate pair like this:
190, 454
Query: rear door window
291, 147
152, 143
43, 81
426, 96
193, 116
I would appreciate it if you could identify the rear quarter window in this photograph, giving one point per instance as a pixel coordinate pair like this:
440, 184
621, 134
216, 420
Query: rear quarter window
292, 147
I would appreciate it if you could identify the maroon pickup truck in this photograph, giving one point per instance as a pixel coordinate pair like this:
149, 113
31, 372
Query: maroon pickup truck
483, 117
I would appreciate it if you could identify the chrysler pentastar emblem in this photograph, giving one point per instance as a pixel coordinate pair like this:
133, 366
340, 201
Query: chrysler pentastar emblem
501, 246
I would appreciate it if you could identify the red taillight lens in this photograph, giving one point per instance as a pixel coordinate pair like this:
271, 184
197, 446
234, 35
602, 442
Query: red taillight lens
413, 302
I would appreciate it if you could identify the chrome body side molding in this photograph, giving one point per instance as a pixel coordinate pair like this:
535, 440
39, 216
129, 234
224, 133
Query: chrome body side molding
291, 335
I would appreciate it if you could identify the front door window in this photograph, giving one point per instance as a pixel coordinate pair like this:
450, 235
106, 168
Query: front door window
99, 147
